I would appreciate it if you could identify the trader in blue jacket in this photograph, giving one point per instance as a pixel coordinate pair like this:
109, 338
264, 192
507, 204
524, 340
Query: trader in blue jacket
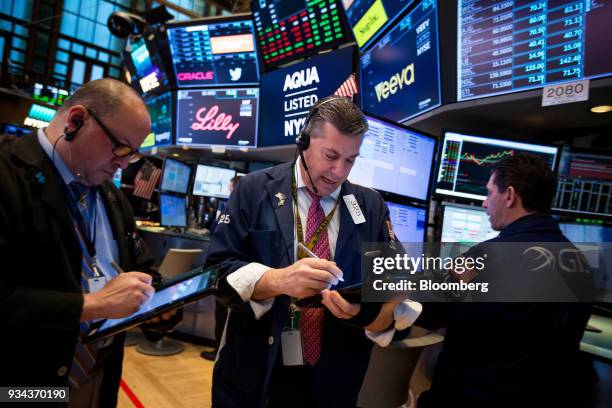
272, 353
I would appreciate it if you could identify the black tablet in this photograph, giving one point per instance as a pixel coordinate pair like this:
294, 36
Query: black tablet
184, 289
351, 294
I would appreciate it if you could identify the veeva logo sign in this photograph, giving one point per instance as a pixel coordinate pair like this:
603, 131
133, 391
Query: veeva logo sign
399, 80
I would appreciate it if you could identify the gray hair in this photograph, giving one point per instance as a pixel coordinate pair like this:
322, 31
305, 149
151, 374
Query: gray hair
104, 96
339, 111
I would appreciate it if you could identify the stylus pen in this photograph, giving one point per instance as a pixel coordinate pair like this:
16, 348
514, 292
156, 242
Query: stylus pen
117, 267
312, 255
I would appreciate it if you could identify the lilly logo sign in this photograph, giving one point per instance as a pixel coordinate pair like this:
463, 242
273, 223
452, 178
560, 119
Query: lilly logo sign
399, 80
213, 120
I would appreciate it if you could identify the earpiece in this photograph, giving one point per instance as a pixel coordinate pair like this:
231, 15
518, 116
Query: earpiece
69, 136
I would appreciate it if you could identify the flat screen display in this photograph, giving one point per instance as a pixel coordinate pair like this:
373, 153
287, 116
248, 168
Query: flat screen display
400, 74
287, 30
368, 18
212, 181
507, 46
172, 209
584, 185
466, 224
160, 111
176, 176
49, 94
466, 162
214, 53
394, 159
145, 66
226, 117
291, 92
409, 223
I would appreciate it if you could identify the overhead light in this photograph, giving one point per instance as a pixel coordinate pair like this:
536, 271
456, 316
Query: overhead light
601, 109
176, 155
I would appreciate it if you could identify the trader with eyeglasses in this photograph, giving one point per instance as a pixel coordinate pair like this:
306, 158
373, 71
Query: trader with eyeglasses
62, 225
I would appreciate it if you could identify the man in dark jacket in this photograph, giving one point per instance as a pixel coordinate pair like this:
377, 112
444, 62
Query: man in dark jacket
510, 354
62, 224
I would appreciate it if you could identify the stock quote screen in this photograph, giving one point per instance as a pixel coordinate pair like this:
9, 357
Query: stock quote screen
222, 117
144, 66
160, 110
584, 185
367, 18
215, 53
400, 74
291, 29
505, 46
466, 162
394, 159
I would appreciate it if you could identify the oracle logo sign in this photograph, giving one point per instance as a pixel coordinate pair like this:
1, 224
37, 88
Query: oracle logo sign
213, 120
196, 76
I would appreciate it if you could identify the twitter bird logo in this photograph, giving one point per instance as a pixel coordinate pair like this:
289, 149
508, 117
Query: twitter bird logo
235, 73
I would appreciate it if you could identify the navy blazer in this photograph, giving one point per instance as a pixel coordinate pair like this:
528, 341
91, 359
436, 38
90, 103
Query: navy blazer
258, 229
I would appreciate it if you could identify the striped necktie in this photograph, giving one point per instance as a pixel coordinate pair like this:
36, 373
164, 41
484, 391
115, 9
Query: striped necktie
84, 355
311, 322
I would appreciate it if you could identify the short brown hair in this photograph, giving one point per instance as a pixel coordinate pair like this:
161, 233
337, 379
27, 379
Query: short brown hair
339, 111
532, 178
104, 96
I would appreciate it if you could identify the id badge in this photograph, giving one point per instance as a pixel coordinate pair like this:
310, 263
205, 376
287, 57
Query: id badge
96, 284
291, 345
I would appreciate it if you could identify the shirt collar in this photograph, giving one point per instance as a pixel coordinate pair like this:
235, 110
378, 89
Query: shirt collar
61, 167
302, 184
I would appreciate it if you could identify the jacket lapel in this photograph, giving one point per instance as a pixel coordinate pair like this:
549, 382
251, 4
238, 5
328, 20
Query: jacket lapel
281, 183
43, 176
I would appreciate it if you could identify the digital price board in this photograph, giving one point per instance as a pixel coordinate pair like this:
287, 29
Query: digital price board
505, 46
291, 29
214, 52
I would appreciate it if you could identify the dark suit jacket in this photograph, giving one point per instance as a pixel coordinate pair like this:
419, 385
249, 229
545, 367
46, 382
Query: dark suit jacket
259, 230
40, 287
508, 354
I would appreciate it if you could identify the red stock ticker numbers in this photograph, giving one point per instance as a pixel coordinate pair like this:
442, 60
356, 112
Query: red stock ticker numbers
290, 29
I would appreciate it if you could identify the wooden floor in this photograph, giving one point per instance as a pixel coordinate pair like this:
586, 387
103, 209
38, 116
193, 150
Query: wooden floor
180, 381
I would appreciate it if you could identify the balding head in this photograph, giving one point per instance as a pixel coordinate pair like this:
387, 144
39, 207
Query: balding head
105, 97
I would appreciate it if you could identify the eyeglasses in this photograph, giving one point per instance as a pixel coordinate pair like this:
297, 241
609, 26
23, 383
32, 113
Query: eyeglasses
120, 150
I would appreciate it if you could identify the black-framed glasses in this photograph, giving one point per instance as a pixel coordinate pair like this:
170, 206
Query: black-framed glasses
120, 150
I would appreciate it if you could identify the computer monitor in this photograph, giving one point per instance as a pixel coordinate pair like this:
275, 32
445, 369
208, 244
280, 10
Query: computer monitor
409, 222
212, 181
599, 257
145, 65
466, 162
39, 116
217, 117
160, 111
368, 18
395, 159
465, 224
504, 47
217, 51
400, 74
49, 94
584, 184
290, 92
173, 210
176, 176
288, 30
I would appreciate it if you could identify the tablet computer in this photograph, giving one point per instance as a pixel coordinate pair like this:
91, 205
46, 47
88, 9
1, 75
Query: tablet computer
183, 289
351, 294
